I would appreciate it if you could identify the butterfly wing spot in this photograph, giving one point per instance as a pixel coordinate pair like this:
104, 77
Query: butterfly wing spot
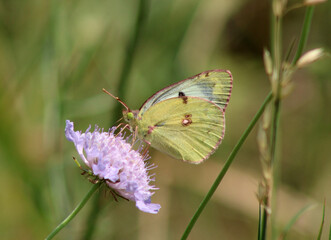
184, 99
150, 129
182, 96
207, 74
187, 120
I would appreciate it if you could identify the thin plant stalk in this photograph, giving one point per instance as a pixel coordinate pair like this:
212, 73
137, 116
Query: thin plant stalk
274, 126
74, 212
262, 222
225, 167
277, 60
277, 78
276, 85
322, 223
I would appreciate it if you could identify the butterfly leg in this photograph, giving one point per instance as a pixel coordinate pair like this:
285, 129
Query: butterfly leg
135, 133
122, 129
146, 149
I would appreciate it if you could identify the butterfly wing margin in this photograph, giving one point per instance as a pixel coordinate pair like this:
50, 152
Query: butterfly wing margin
188, 131
213, 85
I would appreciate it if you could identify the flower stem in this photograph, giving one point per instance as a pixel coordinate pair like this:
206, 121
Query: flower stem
74, 212
226, 167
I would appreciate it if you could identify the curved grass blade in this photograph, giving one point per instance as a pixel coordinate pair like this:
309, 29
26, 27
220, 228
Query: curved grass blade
322, 223
294, 219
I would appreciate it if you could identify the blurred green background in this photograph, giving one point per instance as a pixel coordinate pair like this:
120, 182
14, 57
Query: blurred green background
55, 58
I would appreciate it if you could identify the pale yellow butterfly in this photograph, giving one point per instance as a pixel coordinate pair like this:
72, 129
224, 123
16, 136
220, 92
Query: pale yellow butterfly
184, 120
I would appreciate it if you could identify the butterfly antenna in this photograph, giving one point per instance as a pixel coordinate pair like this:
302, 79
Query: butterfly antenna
117, 98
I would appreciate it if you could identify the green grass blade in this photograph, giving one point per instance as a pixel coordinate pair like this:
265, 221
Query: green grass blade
293, 220
226, 167
304, 33
262, 222
322, 223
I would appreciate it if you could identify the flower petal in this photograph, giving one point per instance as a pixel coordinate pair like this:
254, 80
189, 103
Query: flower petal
148, 207
111, 158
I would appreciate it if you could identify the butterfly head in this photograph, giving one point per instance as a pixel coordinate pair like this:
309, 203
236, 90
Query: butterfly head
130, 116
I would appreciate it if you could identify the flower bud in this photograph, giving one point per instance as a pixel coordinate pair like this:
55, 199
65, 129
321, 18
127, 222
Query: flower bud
310, 57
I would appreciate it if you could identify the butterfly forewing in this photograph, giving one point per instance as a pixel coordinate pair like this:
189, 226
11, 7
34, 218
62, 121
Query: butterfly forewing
187, 128
213, 85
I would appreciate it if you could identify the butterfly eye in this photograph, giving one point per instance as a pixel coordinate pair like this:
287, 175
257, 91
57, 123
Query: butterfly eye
130, 115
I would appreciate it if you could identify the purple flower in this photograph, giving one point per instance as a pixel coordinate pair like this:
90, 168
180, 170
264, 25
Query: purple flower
111, 158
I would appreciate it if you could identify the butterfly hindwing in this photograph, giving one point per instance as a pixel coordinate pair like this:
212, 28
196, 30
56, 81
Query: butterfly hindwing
187, 128
213, 85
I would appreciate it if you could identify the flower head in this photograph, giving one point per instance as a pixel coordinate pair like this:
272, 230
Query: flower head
111, 158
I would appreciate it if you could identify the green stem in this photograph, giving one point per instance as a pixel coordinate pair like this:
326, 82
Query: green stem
304, 33
262, 220
260, 223
226, 167
74, 212
322, 223
277, 75
278, 79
